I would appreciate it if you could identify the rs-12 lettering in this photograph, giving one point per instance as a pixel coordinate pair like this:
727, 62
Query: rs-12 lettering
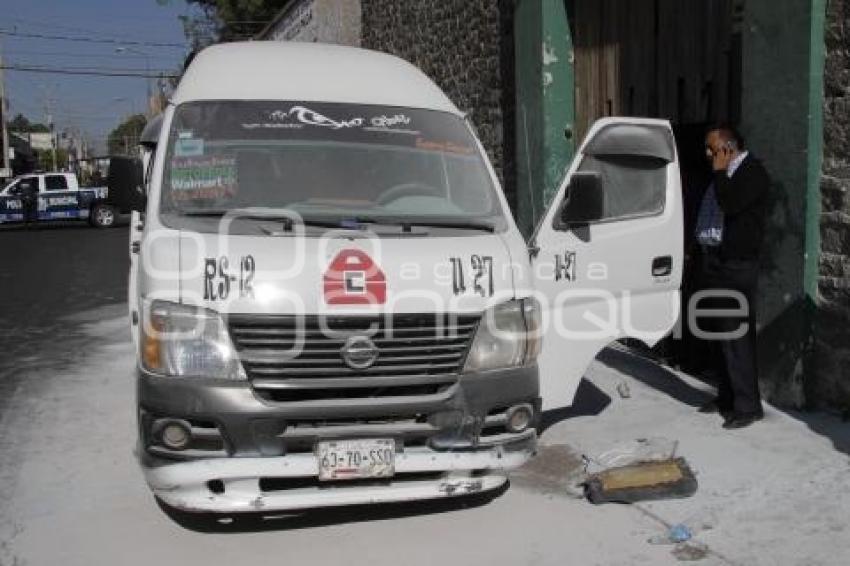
218, 278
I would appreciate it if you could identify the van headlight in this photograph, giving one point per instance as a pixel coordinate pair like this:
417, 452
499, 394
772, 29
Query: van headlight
185, 341
507, 336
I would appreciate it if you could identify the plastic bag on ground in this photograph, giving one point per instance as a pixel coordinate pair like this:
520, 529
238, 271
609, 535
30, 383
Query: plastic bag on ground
632, 452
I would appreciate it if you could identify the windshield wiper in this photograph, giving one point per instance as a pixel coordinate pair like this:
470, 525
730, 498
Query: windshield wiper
408, 223
285, 219
356, 222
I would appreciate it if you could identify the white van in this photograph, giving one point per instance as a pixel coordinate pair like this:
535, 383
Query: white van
332, 303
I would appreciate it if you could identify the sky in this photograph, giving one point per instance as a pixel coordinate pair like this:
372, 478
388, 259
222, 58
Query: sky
91, 104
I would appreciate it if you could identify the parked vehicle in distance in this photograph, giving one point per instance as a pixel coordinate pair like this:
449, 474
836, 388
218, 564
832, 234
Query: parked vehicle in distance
61, 196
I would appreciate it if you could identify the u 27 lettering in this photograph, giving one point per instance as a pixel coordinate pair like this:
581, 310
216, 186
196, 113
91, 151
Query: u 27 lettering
481, 275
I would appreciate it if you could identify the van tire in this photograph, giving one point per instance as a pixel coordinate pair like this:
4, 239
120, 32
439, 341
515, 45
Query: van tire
102, 216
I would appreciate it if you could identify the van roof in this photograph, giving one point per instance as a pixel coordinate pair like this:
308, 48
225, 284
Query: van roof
310, 72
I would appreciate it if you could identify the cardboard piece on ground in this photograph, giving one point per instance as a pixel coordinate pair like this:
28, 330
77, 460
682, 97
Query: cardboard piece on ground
664, 479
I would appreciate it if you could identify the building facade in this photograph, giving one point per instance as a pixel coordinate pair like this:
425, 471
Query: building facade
533, 74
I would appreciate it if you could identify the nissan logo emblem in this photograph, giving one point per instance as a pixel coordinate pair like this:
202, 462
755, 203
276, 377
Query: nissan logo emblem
359, 352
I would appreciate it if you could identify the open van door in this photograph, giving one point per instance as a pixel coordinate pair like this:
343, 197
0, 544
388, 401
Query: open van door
148, 142
607, 255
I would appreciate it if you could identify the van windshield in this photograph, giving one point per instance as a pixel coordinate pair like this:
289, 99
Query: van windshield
325, 160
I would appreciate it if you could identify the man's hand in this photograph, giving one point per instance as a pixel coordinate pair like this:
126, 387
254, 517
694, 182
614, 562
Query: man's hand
721, 159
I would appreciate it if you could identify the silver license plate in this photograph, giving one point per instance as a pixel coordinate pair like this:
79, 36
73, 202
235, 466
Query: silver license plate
356, 459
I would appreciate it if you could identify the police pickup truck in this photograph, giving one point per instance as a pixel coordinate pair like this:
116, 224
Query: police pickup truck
60, 196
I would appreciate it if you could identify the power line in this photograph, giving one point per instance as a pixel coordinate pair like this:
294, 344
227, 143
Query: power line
92, 72
54, 26
66, 54
93, 68
92, 39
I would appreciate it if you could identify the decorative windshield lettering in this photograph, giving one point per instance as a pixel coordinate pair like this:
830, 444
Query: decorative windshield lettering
384, 121
203, 178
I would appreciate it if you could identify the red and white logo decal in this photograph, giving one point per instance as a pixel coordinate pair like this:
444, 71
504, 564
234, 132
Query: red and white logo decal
353, 278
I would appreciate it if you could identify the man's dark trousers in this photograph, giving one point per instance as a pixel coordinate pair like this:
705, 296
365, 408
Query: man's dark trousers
30, 210
735, 358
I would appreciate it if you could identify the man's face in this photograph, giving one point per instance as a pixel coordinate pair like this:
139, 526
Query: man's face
713, 144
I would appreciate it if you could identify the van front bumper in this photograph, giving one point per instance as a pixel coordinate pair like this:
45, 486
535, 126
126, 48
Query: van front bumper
420, 473
253, 454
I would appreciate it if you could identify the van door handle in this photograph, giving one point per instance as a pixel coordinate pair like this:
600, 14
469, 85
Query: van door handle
135, 246
662, 266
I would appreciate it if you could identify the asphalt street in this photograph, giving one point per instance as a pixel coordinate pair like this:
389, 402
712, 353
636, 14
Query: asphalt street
71, 491
51, 272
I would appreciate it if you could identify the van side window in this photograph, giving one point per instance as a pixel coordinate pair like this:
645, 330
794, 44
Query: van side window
56, 183
634, 185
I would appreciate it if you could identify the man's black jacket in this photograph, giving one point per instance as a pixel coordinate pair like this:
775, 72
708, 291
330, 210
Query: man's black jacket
743, 200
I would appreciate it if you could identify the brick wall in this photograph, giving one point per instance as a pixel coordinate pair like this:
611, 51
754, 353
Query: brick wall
459, 44
831, 364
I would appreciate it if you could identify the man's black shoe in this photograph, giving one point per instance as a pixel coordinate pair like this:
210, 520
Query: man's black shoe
714, 407
741, 420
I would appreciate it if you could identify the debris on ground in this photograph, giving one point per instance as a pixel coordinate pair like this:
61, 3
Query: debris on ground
557, 470
690, 551
675, 534
632, 452
666, 479
686, 530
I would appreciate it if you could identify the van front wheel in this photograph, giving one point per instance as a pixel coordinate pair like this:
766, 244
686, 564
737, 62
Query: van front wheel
102, 216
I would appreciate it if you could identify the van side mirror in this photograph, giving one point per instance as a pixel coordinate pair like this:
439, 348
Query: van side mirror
584, 201
139, 201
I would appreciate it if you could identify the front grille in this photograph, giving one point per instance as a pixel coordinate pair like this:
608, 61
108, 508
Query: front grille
292, 358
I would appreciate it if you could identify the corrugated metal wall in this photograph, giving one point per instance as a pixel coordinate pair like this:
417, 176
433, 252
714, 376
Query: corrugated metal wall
674, 59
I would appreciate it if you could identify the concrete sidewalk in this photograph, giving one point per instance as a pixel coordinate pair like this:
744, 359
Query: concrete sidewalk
777, 492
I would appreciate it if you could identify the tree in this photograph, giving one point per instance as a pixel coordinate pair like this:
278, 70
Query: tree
125, 137
227, 20
21, 123
44, 158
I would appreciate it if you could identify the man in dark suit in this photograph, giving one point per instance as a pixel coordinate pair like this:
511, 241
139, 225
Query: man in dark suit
29, 199
729, 232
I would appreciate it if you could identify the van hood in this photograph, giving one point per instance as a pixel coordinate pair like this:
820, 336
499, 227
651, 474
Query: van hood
344, 275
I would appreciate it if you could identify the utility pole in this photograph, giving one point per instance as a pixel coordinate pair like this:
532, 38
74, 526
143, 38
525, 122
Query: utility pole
50, 125
6, 172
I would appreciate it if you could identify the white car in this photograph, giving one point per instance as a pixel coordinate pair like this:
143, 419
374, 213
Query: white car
332, 302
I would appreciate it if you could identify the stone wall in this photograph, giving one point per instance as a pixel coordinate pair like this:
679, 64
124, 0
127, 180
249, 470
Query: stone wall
831, 363
466, 47
323, 21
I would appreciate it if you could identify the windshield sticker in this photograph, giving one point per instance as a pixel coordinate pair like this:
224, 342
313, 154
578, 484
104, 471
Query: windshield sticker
188, 147
203, 178
297, 117
565, 266
384, 121
443, 146
481, 271
218, 278
300, 116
